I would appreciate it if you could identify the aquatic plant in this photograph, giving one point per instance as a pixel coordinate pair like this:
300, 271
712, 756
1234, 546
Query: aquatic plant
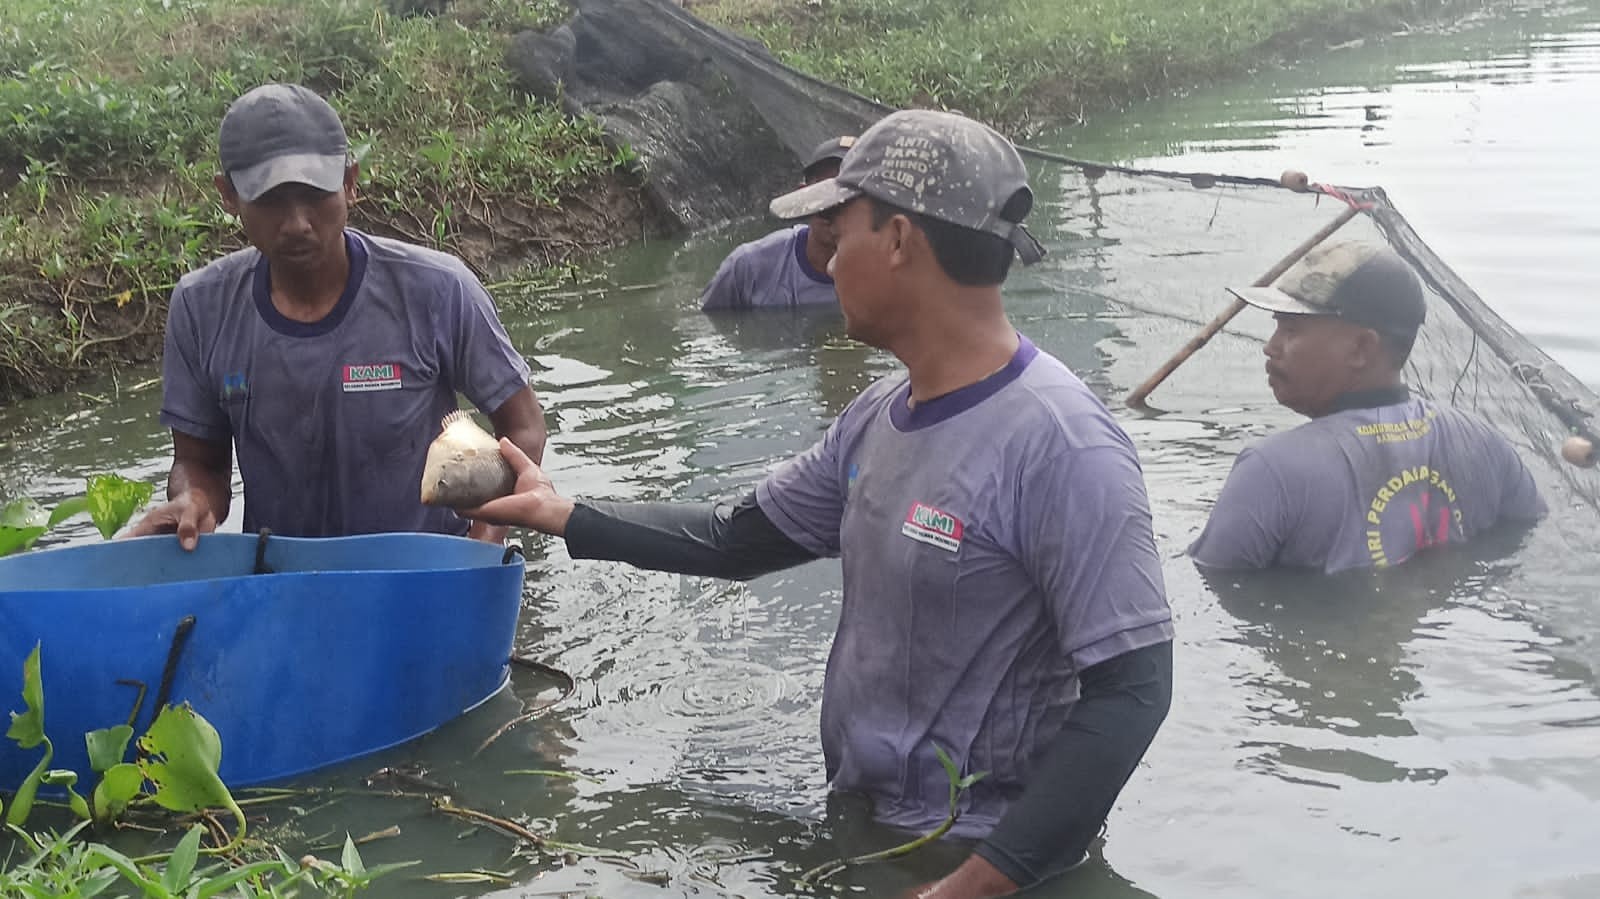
110, 500
61, 866
178, 756
959, 784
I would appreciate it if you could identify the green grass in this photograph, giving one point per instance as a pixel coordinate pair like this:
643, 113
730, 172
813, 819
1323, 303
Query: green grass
109, 110
1016, 62
108, 118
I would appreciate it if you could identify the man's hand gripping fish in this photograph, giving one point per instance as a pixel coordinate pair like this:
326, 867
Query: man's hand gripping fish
464, 468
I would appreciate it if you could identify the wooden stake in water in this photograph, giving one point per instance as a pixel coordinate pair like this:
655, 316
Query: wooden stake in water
1293, 180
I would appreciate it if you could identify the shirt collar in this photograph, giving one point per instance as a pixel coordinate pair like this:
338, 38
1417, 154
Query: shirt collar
801, 236
1370, 399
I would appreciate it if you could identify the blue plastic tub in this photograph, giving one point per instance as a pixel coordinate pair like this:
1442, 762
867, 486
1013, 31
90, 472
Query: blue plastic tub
350, 645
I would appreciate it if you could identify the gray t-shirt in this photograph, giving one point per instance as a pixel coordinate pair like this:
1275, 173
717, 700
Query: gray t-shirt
770, 272
1366, 488
995, 541
332, 419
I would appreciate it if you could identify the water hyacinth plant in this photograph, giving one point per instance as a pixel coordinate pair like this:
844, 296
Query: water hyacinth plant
110, 499
175, 768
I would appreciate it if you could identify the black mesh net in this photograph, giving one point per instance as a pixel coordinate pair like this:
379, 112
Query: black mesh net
1165, 244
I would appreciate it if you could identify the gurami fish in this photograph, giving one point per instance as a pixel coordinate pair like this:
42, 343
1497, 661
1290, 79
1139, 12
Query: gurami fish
464, 467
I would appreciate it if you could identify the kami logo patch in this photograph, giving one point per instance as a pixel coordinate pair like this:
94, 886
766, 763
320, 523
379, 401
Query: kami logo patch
926, 524
372, 376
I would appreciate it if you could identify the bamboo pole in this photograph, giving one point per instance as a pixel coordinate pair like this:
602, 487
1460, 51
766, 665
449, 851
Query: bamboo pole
1137, 398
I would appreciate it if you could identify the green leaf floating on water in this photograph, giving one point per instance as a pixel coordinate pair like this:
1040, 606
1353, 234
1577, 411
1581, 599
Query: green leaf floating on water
27, 731
181, 755
22, 522
23, 512
117, 788
68, 508
63, 777
113, 499
17, 539
119, 780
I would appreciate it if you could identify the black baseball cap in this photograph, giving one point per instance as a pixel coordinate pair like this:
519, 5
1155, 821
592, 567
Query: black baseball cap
831, 150
939, 164
281, 134
1358, 282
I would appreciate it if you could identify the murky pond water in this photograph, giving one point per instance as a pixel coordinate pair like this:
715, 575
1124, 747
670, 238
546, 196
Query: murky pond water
1435, 732
1482, 134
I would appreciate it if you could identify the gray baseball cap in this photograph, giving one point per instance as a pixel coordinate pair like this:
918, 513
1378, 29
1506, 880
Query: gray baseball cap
939, 164
280, 134
1359, 282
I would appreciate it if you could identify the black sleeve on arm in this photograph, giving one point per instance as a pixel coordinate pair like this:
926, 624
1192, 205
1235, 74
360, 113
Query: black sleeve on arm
734, 541
1122, 703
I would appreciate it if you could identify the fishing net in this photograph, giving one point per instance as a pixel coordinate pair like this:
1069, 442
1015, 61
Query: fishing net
1165, 244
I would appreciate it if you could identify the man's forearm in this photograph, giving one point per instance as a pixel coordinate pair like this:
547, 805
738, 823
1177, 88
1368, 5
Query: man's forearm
1072, 789
530, 439
735, 541
520, 419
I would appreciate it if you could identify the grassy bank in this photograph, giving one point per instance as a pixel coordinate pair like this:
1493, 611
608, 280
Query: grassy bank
1015, 63
108, 117
109, 109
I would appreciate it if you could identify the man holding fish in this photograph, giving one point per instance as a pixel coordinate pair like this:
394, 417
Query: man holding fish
1003, 597
328, 357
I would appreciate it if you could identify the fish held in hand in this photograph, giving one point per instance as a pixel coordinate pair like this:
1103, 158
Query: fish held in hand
464, 468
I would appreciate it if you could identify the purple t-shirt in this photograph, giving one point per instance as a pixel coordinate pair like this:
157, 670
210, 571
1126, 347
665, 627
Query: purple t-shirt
995, 541
1366, 488
332, 419
770, 272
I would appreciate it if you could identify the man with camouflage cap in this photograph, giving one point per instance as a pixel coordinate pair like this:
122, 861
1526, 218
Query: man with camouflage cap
325, 356
1003, 597
1378, 475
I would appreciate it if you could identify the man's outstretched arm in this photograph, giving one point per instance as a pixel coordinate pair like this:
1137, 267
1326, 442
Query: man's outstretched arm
735, 541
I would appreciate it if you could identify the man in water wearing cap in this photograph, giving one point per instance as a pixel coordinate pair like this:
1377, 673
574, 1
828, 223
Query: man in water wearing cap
1003, 597
327, 356
1378, 474
787, 268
